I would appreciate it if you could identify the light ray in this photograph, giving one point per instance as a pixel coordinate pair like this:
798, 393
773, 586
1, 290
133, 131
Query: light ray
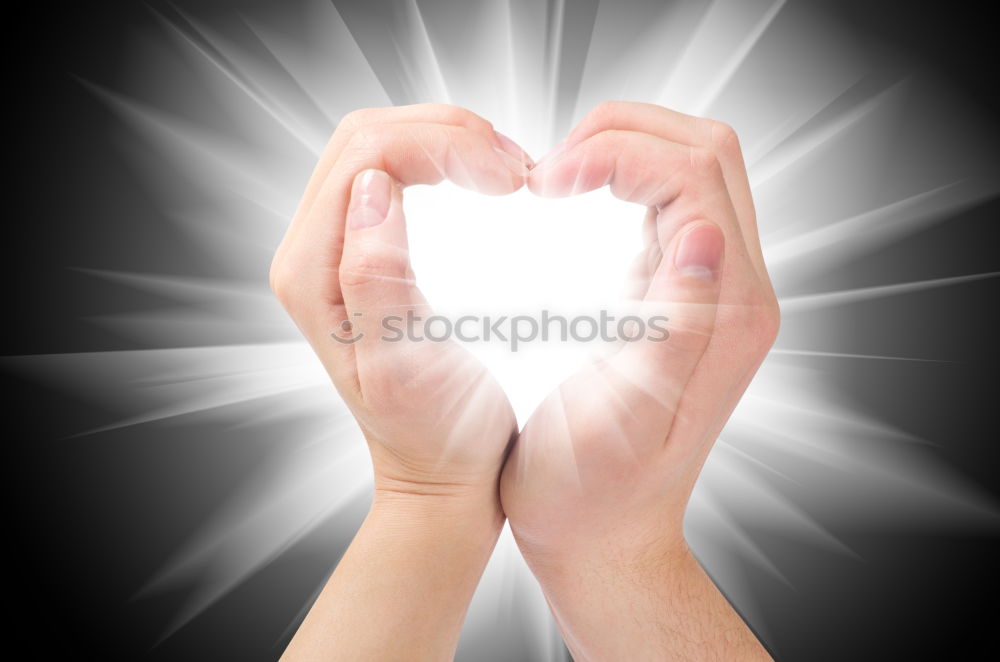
426, 56
189, 145
668, 98
749, 549
794, 149
226, 353
869, 230
511, 98
842, 355
729, 69
554, 58
204, 48
257, 527
808, 302
288, 69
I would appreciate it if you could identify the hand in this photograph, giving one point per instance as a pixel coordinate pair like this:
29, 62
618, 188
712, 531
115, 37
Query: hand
596, 486
435, 420
437, 425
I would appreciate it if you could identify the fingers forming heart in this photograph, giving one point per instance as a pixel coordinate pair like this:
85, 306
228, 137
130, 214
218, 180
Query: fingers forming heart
688, 173
686, 170
309, 268
602, 471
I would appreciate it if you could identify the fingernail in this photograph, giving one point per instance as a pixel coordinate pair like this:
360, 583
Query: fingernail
370, 198
515, 150
513, 156
512, 162
699, 253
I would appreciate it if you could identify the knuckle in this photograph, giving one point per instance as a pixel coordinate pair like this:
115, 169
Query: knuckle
721, 133
355, 119
449, 114
724, 140
360, 271
609, 113
605, 111
610, 139
704, 162
366, 136
366, 142
281, 280
372, 264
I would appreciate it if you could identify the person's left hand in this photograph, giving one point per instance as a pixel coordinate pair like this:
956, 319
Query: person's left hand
596, 486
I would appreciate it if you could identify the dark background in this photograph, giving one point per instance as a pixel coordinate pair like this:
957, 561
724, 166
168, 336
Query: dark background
75, 503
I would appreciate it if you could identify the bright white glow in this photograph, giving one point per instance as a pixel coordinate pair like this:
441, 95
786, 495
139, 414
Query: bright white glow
815, 133
520, 255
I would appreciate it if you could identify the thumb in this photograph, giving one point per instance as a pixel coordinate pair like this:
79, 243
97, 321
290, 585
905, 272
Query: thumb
375, 275
678, 313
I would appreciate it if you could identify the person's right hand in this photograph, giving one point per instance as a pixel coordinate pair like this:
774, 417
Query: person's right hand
596, 486
438, 425
435, 420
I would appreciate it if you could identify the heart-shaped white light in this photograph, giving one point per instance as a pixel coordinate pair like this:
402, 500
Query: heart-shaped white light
520, 255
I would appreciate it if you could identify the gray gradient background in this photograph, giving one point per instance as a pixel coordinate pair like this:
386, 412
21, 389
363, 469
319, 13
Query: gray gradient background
860, 524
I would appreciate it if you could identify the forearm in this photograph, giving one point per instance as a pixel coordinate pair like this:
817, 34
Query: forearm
402, 588
660, 607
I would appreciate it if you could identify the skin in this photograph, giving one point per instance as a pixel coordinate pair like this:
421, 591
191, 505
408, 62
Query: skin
596, 484
438, 426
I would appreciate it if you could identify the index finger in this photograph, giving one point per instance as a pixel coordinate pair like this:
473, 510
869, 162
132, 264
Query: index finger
717, 137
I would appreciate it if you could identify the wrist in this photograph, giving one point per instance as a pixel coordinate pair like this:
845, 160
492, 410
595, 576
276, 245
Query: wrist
440, 508
467, 476
653, 603
410, 571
